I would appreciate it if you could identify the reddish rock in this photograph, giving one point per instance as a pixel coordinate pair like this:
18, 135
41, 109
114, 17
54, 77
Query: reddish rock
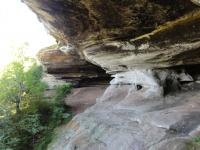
82, 98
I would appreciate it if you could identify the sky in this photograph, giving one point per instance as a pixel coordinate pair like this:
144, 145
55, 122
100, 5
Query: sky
18, 25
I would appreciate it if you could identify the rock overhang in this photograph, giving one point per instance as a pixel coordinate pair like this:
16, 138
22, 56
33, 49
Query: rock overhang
123, 35
104, 33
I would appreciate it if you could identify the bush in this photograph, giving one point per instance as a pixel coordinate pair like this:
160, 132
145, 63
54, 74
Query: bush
197, 139
62, 91
27, 118
52, 114
33, 127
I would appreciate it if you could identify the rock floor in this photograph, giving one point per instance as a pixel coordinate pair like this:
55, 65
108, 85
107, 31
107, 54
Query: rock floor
127, 120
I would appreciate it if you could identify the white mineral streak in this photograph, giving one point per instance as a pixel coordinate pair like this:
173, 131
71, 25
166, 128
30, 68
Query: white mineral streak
144, 46
130, 81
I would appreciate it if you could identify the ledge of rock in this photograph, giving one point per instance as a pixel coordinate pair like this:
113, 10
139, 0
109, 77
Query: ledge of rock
85, 20
121, 35
175, 43
69, 66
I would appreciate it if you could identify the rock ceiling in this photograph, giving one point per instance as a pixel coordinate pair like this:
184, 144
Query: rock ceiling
127, 34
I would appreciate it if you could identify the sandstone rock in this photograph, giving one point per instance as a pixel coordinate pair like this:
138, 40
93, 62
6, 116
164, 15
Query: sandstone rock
196, 2
52, 83
185, 78
143, 37
113, 34
148, 84
167, 46
84, 20
177, 144
127, 119
68, 66
82, 98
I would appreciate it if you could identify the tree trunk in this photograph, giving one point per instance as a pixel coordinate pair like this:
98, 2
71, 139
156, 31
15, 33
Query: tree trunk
17, 107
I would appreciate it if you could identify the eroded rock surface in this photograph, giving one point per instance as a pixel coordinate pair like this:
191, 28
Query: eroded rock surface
128, 34
136, 111
82, 20
129, 118
197, 2
68, 66
173, 44
82, 98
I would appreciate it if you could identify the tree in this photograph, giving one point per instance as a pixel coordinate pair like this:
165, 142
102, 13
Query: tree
27, 118
19, 83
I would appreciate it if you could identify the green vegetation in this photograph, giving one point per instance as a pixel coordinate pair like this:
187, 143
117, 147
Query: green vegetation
191, 146
197, 139
27, 118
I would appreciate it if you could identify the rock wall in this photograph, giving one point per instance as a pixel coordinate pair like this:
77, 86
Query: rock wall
152, 48
123, 35
68, 66
130, 118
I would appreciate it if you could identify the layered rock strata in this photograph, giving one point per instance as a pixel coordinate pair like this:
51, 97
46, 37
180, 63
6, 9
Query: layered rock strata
68, 66
123, 35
